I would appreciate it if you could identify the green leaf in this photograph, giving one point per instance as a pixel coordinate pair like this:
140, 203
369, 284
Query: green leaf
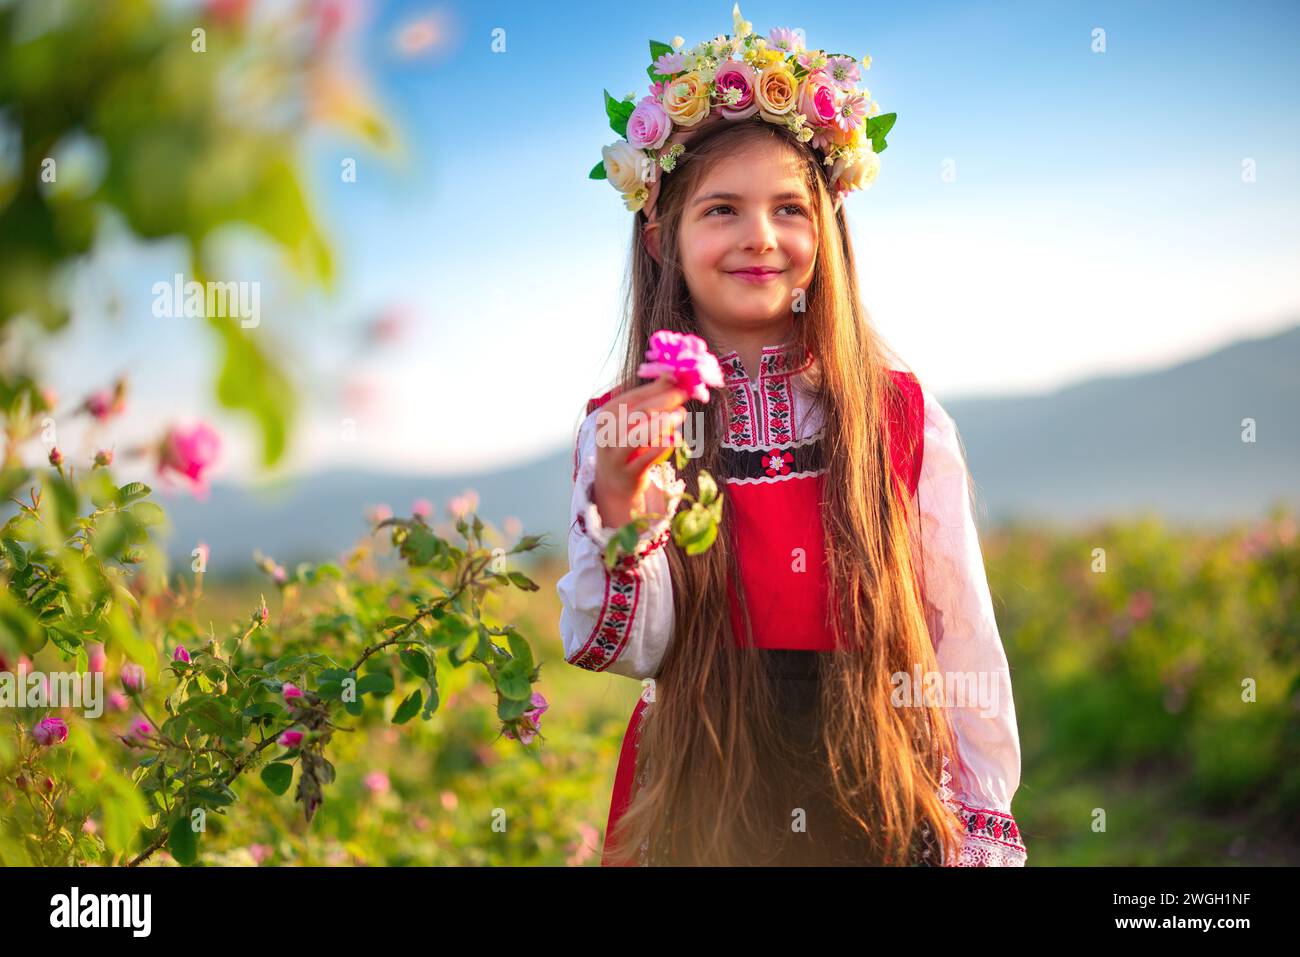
17, 555
376, 683
415, 661
618, 112
277, 777
182, 842
598, 171
409, 707
131, 491
512, 681
147, 513
520, 580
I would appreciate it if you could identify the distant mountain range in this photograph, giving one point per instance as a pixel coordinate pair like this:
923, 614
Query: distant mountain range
1167, 442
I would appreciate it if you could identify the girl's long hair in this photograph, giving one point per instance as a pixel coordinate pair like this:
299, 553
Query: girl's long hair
704, 758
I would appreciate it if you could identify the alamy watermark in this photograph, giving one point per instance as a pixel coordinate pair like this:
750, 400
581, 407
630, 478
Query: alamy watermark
53, 689
194, 300
949, 689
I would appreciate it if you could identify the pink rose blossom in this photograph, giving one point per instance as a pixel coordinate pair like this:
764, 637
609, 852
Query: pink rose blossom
687, 358
376, 782
118, 701
291, 739
292, 693
817, 99
50, 731
532, 720
189, 450
97, 657
259, 852
462, 505
132, 677
649, 126
423, 508
378, 513
180, 654
737, 75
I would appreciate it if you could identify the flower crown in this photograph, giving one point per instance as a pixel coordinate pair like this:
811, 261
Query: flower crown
810, 92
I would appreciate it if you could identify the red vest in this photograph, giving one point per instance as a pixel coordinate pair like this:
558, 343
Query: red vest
782, 550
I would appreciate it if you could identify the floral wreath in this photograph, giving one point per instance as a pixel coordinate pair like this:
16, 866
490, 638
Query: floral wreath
812, 93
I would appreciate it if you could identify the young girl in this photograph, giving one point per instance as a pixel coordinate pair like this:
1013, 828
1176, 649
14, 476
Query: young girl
791, 713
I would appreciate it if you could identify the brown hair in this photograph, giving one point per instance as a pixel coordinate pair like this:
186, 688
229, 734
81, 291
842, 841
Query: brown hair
703, 739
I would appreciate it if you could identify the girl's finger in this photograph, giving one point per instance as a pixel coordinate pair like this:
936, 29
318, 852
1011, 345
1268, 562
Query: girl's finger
643, 457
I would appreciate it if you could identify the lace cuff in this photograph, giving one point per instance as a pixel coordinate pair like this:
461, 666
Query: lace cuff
662, 497
992, 836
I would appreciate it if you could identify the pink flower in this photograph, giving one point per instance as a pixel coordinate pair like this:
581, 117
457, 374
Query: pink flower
736, 75
180, 654
89, 826
668, 64
462, 505
423, 508
104, 457
259, 852
189, 450
817, 99
378, 513
50, 731
376, 782
132, 677
292, 693
843, 71
649, 127
1140, 605
687, 358
97, 658
103, 404
291, 739
531, 722
139, 733
851, 111
783, 39
118, 701
56, 457
512, 526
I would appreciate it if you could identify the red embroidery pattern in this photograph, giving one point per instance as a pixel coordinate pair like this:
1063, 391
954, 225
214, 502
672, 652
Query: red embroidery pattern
990, 827
997, 826
618, 610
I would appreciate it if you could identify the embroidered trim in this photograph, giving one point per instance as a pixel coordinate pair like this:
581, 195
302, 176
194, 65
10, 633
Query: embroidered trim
778, 360
992, 837
614, 623
779, 478
741, 423
757, 464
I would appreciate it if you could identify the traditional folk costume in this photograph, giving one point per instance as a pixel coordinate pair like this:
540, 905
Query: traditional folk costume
622, 621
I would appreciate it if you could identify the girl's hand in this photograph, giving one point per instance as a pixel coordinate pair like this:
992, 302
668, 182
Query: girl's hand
652, 412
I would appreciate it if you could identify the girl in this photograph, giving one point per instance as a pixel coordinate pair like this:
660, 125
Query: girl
805, 724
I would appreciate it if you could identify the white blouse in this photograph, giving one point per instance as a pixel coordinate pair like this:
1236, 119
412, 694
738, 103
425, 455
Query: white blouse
622, 621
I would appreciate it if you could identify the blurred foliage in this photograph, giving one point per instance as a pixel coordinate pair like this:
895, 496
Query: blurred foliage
181, 123
373, 645
1134, 686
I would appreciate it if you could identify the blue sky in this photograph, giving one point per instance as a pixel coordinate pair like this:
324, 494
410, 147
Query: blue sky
1098, 219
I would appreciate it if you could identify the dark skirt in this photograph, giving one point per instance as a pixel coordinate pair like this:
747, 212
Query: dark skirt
797, 778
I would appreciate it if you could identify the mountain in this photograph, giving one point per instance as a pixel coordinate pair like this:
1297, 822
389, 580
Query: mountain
1167, 442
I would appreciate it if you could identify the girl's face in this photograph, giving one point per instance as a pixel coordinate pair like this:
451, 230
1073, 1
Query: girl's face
752, 209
